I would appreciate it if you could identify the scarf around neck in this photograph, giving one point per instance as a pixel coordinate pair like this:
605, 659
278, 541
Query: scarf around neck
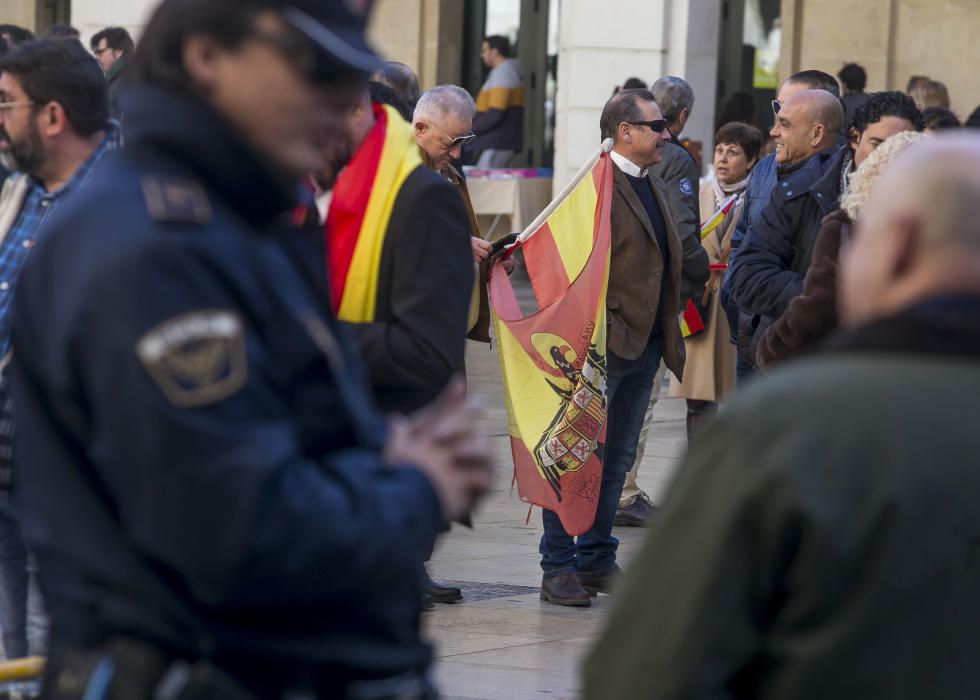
723, 191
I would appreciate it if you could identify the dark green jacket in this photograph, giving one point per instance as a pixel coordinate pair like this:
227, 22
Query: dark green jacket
823, 539
679, 172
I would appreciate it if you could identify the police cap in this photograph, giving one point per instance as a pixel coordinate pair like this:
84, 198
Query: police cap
336, 28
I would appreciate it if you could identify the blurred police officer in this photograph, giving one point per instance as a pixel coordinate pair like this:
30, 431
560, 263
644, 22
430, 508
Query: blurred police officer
217, 508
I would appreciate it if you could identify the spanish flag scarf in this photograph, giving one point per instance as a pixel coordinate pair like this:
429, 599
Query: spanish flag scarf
360, 208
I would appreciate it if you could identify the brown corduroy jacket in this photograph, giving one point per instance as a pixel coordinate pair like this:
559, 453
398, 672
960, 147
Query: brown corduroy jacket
638, 276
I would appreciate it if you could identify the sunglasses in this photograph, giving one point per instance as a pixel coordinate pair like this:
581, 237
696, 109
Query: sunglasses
656, 125
776, 106
453, 142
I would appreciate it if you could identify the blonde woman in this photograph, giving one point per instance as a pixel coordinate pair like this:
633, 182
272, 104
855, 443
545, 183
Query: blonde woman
812, 316
709, 372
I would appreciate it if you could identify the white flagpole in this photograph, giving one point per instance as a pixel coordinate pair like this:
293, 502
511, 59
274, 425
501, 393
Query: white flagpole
606, 147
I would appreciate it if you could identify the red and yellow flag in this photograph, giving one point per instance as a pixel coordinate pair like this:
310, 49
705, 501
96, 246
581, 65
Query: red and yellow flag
714, 221
553, 361
357, 221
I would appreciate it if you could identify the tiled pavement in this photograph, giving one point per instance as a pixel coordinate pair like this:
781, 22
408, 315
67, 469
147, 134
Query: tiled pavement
502, 641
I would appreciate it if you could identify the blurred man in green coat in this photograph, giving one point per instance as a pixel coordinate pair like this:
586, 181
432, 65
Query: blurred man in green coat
824, 539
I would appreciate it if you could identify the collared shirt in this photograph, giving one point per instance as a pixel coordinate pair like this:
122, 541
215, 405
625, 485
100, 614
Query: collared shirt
37, 207
321, 200
628, 166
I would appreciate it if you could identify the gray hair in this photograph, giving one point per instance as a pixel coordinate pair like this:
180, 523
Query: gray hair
443, 100
673, 95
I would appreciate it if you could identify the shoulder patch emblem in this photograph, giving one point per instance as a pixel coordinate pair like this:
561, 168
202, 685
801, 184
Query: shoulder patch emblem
687, 189
197, 358
176, 199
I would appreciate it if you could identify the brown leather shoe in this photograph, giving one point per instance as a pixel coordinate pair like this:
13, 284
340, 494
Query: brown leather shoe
594, 584
565, 589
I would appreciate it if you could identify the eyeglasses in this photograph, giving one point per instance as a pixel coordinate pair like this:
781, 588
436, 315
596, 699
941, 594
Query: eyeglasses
656, 125
776, 106
11, 105
453, 142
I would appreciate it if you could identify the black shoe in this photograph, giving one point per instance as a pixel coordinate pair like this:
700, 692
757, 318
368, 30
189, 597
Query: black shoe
565, 589
442, 594
427, 603
596, 583
637, 513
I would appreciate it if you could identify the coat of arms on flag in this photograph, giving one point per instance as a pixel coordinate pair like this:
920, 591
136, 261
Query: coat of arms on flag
553, 361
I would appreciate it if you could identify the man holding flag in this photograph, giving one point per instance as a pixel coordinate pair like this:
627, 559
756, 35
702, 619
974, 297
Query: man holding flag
606, 270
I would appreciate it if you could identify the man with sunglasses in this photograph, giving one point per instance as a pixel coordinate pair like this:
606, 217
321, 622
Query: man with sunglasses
218, 509
643, 305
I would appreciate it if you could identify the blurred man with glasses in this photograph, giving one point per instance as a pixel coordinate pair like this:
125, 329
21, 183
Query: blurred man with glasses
54, 126
643, 305
113, 48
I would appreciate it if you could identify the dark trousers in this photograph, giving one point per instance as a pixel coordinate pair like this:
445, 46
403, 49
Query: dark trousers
628, 387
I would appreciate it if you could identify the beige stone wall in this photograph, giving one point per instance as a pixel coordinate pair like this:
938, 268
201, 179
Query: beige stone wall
91, 16
892, 39
426, 35
23, 13
598, 50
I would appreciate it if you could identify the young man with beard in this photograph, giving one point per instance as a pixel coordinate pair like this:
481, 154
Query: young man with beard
54, 126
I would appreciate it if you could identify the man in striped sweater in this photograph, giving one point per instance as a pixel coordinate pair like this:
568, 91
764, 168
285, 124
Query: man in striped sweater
499, 121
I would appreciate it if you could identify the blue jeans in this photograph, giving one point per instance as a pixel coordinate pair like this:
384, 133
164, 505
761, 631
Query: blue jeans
17, 587
628, 387
744, 371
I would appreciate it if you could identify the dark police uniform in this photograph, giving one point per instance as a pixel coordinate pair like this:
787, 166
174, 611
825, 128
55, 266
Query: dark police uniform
199, 462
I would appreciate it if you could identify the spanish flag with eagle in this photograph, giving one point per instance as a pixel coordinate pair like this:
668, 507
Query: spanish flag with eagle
553, 361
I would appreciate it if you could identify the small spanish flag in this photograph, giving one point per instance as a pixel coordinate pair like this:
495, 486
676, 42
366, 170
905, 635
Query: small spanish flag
715, 221
691, 321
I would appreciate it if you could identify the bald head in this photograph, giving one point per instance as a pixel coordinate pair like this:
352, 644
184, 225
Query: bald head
807, 122
919, 235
